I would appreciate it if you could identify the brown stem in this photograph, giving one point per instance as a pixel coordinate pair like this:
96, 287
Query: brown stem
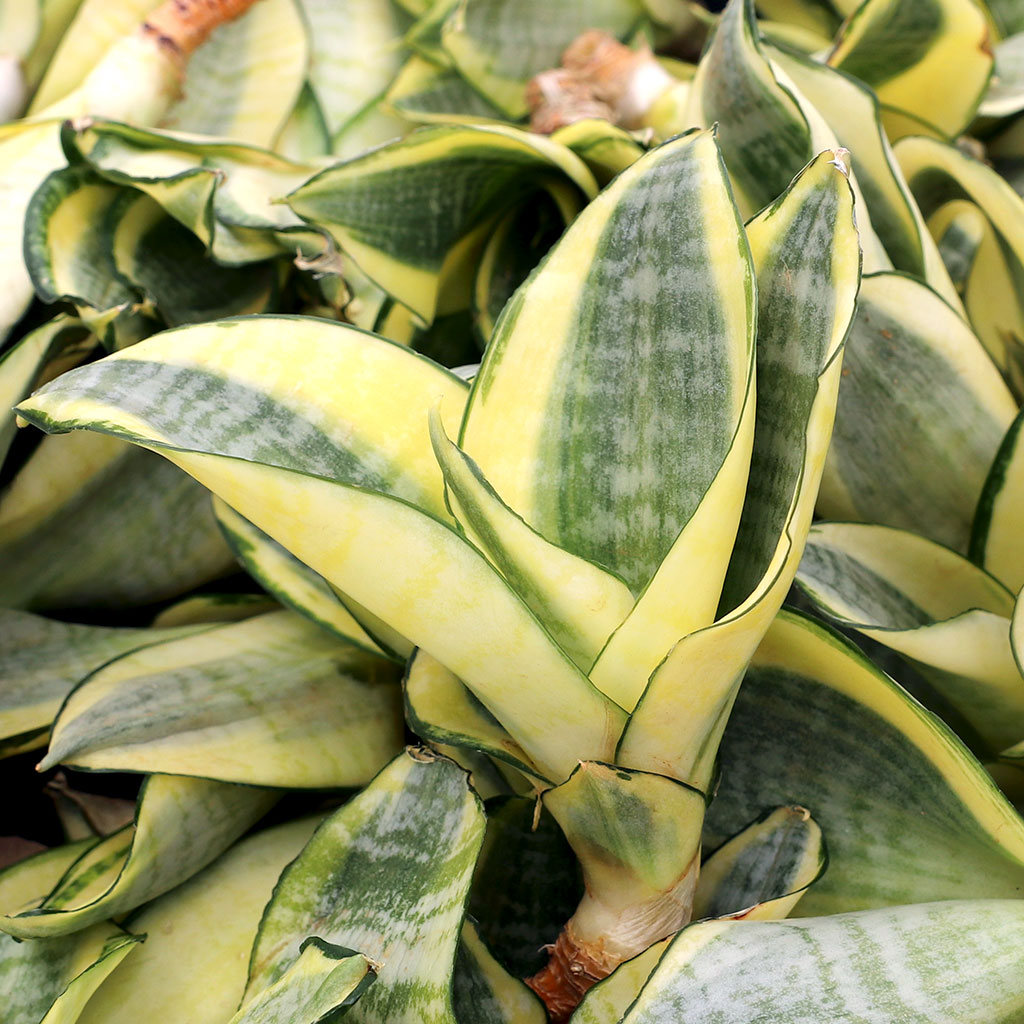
571, 970
182, 26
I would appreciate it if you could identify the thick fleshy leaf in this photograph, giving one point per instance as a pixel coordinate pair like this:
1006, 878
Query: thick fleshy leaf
316, 989
761, 873
930, 605
484, 993
526, 884
355, 53
604, 147
299, 393
921, 413
443, 710
92, 522
938, 174
41, 660
608, 1000
1005, 93
192, 966
806, 291
928, 58
908, 813
287, 579
181, 826
560, 441
388, 874
46, 981
467, 617
433, 93
498, 45
580, 603
941, 961
413, 212
996, 542
242, 83
853, 113
57, 345
271, 701
222, 192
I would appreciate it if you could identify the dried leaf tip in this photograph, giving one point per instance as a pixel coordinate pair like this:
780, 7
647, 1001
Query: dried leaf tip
841, 159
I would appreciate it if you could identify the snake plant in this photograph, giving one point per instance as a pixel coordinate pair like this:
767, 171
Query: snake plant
519, 431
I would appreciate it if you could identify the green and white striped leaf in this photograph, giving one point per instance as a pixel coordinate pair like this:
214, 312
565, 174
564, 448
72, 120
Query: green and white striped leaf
92, 522
484, 993
356, 51
921, 414
193, 964
375, 125
270, 701
637, 837
223, 192
443, 710
46, 981
244, 80
761, 873
499, 45
299, 393
431, 199
181, 825
67, 252
941, 961
387, 874
57, 345
579, 603
41, 660
49, 981
909, 815
609, 999
207, 607
293, 584
930, 605
939, 174
169, 267
557, 437
853, 113
604, 147
526, 885
996, 542
430, 93
318, 988
433, 587
304, 137
927, 58
807, 259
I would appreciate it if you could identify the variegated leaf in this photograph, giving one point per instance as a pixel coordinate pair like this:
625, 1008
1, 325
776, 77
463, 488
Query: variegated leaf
359, 883
484, 993
270, 701
761, 873
192, 966
181, 826
600, 471
927, 58
930, 605
921, 413
996, 542
808, 270
940, 961
41, 660
909, 815
92, 522
287, 579
435, 196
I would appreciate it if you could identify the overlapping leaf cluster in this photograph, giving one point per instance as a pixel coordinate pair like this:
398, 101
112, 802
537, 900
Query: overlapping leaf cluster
697, 329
